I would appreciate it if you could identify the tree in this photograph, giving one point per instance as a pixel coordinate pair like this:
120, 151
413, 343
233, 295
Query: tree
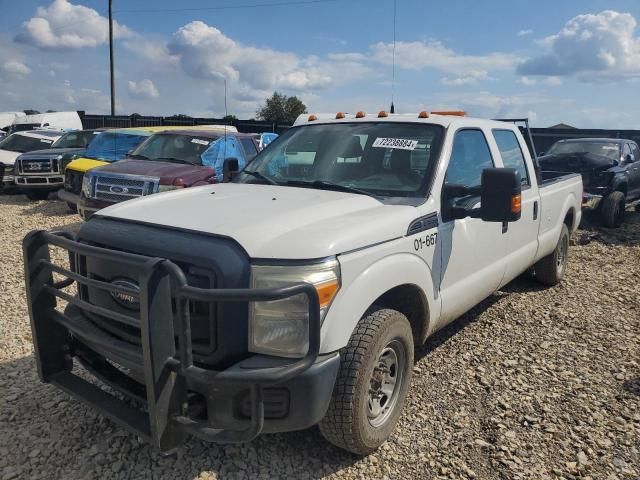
229, 118
281, 108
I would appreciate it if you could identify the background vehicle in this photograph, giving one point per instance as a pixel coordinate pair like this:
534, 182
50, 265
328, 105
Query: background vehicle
13, 145
165, 161
610, 170
40, 172
109, 147
52, 120
7, 119
295, 294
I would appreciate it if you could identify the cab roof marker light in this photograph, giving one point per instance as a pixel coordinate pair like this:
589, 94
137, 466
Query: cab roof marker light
312, 118
451, 113
361, 114
339, 115
423, 114
382, 114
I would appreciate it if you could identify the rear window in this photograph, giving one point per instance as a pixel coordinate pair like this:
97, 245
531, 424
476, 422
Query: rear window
512, 154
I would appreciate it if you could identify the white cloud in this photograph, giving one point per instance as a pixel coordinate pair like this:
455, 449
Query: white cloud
434, 55
486, 104
206, 53
592, 47
525, 32
527, 82
64, 25
14, 67
155, 52
144, 89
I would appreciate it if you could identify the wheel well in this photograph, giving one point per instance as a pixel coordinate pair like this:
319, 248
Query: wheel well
410, 301
568, 219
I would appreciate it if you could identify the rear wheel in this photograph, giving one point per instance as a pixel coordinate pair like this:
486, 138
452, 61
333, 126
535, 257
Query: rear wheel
372, 383
551, 268
37, 195
613, 207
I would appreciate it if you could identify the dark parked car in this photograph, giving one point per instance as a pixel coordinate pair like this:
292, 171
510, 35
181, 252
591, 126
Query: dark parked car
610, 170
165, 161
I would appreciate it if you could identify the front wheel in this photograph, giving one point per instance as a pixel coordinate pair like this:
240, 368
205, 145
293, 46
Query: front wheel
375, 373
36, 195
613, 209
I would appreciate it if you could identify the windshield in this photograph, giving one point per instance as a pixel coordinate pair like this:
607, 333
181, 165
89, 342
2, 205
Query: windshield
603, 149
173, 148
386, 159
22, 143
109, 146
79, 139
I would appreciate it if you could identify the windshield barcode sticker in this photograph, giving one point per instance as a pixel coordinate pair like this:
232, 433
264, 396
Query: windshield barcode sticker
400, 143
199, 142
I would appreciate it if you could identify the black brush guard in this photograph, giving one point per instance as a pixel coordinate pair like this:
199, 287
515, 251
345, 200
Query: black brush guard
167, 369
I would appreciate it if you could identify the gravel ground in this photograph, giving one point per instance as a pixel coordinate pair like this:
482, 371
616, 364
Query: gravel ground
533, 383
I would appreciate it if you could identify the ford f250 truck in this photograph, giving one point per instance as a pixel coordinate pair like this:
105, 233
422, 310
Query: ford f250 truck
165, 161
295, 294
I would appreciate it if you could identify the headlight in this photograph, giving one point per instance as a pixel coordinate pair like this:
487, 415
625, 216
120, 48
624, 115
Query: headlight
85, 185
281, 327
166, 188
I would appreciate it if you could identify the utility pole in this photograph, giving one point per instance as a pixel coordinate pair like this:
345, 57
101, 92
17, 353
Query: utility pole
113, 87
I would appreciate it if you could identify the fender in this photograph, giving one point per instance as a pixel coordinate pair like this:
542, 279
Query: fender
549, 239
364, 282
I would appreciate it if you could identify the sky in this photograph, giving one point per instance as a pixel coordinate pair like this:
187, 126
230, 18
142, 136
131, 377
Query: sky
571, 61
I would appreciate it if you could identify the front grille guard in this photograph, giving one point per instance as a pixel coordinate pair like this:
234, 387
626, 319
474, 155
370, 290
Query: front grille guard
166, 369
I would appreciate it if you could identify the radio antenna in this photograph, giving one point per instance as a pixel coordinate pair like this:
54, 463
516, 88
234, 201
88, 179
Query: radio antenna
393, 67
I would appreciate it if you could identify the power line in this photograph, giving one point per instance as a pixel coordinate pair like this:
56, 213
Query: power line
226, 7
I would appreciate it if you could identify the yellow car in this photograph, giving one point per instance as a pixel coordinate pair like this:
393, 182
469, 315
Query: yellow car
110, 146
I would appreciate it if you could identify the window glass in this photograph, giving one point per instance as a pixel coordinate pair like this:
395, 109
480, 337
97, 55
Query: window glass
625, 151
249, 147
635, 151
512, 154
22, 143
78, 139
110, 146
469, 156
603, 149
169, 147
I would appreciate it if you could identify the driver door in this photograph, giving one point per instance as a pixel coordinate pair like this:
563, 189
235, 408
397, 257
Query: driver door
473, 251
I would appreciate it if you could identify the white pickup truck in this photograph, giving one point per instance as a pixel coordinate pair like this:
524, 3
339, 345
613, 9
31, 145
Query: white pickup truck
295, 295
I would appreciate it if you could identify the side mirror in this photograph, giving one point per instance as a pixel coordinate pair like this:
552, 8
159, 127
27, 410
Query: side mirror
500, 197
629, 158
229, 168
540, 154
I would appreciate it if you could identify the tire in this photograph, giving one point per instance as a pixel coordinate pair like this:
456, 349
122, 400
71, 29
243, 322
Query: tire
356, 421
613, 207
72, 207
36, 195
551, 268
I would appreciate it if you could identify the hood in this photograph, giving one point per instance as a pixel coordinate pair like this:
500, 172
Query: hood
51, 152
271, 221
7, 156
167, 172
83, 164
576, 162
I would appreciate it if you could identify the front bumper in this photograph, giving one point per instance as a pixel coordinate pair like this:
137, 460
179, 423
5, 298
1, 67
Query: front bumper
52, 182
87, 207
178, 397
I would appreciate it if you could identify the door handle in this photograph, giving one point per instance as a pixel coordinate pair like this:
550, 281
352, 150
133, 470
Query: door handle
535, 210
505, 227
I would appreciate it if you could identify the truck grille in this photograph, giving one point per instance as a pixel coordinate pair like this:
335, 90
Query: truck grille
38, 166
118, 188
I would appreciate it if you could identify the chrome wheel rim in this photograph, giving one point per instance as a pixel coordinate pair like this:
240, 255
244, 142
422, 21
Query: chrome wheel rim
561, 258
385, 383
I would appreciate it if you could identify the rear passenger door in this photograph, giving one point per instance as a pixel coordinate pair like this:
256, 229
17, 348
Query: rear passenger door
522, 236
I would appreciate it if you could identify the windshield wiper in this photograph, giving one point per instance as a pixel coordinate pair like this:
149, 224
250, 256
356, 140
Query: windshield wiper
261, 177
136, 156
330, 185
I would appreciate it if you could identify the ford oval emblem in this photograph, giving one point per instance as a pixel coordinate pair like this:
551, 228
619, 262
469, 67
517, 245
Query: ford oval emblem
125, 299
118, 189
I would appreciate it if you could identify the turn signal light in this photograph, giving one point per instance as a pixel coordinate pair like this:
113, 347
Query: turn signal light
326, 292
382, 114
423, 114
339, 115
360, 114
516, 204
451, 113
312, 118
